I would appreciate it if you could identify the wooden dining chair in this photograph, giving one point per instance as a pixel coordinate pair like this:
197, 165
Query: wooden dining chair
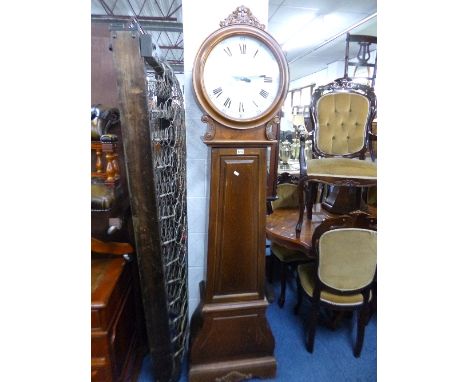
287, 191
344, 271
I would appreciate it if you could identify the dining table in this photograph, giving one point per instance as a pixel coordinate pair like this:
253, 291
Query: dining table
281, 227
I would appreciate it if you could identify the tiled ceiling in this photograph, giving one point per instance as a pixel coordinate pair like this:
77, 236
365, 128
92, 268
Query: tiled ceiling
312, 32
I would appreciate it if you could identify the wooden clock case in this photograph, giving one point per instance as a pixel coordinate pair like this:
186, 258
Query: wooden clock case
230, 336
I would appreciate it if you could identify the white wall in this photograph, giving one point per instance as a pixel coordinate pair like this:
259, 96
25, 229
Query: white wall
201, 18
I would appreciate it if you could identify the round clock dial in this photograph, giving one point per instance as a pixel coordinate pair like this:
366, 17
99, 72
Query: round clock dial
241, 77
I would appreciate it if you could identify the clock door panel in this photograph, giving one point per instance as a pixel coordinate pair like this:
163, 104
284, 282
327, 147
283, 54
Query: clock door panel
236, 251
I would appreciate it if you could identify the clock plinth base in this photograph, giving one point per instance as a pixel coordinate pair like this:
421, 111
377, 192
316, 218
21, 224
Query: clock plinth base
233, 371
231, 342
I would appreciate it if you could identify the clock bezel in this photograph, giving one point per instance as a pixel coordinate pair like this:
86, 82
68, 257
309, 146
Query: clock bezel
198, 76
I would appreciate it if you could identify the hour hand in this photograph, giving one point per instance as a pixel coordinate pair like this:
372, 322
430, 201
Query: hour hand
241, 78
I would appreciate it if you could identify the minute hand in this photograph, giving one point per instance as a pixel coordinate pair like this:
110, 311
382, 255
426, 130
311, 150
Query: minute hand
248, 78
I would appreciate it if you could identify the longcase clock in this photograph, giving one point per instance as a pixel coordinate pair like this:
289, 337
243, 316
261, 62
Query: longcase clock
240, 79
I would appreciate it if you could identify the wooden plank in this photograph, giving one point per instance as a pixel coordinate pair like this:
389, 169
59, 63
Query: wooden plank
131, 81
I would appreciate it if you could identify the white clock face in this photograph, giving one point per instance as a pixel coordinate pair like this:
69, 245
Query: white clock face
241, 77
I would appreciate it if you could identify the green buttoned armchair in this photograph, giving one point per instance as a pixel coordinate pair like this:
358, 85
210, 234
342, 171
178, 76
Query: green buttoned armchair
343, 275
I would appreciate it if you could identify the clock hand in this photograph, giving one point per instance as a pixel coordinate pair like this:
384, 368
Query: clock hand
245, 79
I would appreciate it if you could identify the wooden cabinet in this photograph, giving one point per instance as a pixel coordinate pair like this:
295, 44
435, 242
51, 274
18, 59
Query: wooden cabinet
237, 216
115, 347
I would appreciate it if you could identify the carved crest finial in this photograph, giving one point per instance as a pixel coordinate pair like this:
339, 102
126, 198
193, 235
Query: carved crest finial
242, 15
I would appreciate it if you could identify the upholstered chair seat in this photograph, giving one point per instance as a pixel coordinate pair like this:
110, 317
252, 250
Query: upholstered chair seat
102, 197
286, 255
342, 168
305, 274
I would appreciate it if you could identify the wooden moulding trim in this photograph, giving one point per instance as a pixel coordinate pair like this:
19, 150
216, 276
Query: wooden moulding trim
292, 243
96, 145
238, 143
342, 181
233, 365
98, 361
220, 298
232, 306
112, 248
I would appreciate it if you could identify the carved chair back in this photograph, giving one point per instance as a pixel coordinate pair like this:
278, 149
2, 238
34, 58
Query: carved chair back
345, 249
288, 196
342, 113
363, 56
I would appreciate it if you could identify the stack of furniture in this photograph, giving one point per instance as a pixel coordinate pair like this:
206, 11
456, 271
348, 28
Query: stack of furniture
115, 330
116, 335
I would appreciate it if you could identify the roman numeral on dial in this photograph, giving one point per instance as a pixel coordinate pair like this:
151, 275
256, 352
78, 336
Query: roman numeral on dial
263, 93
267, 79
227, 103
228, 51
241, 107
217, 92
243, 48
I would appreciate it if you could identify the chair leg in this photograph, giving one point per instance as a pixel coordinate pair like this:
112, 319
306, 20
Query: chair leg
299, 295
362, 320
283, 285
334, 319
373, 303
271, 261
310, 337
311, 196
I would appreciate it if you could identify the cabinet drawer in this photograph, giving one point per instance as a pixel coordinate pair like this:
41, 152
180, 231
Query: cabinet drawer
100, 371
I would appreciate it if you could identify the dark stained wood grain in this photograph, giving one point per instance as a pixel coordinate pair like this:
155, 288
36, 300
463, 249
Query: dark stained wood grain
233, 298
131, 81
103, 76
241, 247
112, 248
115, 342
281, 227
273, 165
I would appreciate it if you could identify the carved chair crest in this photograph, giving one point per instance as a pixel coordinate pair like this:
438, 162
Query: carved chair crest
338, 130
